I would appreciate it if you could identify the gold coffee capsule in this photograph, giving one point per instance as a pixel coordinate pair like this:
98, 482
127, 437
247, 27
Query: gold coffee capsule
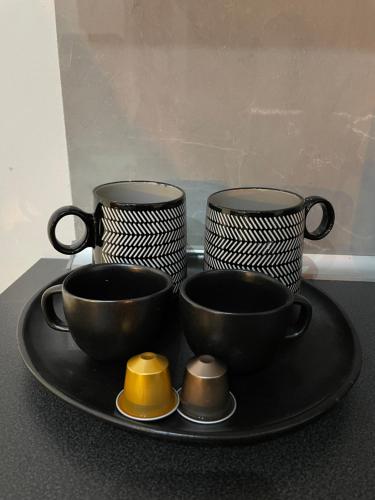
148, 393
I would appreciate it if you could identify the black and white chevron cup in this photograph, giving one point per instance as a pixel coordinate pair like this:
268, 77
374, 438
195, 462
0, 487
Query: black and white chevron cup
134, 222
262, 229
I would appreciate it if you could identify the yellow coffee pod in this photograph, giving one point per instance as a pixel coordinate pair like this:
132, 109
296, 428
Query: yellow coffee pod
148, 393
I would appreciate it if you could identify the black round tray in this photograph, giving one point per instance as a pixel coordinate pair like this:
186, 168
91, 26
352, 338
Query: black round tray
306, 378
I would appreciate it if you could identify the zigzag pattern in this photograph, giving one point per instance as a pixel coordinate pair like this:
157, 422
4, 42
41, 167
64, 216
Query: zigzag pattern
151, 251
149, 228
248, 247
145, 216
253, 235
292, 280
257, 222
246, 259
135, 240
295, 287
289, 269
170, 267
178, 277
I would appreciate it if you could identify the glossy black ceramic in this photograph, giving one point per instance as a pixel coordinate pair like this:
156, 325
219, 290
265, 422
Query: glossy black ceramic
111, 311
240, 317
306, 378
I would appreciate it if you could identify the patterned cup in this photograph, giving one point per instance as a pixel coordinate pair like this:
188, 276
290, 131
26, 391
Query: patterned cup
262, 229
134, 222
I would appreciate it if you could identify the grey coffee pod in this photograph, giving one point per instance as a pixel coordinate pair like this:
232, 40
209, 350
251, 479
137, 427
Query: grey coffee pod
205, 397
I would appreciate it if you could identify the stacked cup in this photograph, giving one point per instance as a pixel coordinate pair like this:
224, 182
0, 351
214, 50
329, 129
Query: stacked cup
151, 238
262, 229
134, 222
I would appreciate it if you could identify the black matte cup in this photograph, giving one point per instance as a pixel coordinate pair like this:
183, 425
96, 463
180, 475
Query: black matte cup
240, 317
112, 311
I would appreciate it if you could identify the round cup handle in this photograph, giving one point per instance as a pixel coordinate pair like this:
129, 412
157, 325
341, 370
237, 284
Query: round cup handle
328, 217
304, 318
49, 311
87, 241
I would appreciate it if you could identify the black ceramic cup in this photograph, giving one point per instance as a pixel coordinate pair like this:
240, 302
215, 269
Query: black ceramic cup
240, 317
112, 311
134, 222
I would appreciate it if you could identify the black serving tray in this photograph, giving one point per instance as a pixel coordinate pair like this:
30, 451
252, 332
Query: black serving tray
306, 378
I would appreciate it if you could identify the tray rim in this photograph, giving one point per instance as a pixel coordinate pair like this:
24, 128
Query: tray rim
261, 433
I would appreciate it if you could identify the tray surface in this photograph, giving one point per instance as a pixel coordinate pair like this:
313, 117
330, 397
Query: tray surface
306, 378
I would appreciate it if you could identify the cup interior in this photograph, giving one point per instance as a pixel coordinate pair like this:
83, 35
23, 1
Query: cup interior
139, 192
106, 282
236, 292
253, 199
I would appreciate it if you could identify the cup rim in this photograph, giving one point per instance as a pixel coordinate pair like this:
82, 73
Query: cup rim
274, 282
145, 205
275, 212
149, 270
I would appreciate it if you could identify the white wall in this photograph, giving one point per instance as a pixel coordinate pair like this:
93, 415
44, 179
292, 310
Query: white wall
34, 174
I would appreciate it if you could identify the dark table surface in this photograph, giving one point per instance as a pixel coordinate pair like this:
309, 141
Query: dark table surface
52, 450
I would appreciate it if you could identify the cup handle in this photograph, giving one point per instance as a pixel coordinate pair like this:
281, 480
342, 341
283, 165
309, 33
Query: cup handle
49, 311
304, 318
87, 241
328, 217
